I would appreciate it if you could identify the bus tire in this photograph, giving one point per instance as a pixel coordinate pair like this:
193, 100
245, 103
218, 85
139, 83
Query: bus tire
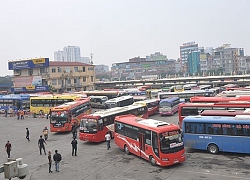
152, 160
213, 149
126, 149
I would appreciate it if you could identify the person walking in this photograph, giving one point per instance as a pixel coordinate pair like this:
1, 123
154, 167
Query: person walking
22, 114
108, 137
50, 161
8, 148
6, 112
57, 158
74, 146
27, 134
41, 146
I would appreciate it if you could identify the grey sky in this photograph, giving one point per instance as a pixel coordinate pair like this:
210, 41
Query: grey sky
116, 30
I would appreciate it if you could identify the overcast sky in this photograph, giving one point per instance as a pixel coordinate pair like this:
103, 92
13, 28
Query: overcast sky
116, 30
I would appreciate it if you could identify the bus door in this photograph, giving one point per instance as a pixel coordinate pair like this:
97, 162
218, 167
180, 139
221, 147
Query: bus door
142, 145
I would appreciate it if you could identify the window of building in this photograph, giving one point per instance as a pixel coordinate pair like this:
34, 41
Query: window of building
59, 69
53, 70
90, 68
83, 69
69, 81
84, 79
54, 82
76, 69
92, 78
59, 81
67, 69
42, 70
30, 72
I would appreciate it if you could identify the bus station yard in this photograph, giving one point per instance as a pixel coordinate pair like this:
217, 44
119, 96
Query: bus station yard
94, 161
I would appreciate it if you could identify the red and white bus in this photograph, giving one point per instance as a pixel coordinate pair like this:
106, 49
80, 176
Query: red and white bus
198, 99
152, 104
65, 117
193, 109
93, 127
158, 142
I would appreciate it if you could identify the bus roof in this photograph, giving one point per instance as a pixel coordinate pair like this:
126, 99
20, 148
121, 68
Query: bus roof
187, 92
149, 124
218, 99
147, 101
69, 105
114, 110
170, 99
218, 119
230, 112
98, 97
118, 99
241, 103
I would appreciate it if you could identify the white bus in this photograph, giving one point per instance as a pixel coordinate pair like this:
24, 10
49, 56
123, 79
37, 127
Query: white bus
98, 101
186, 95
119, 102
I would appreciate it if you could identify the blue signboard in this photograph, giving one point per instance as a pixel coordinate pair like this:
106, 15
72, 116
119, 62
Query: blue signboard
29, 64
30, 89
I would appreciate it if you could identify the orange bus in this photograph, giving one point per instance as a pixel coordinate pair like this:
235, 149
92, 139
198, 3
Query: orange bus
158, 142
65, 117
199, 99
94, 127
193, 109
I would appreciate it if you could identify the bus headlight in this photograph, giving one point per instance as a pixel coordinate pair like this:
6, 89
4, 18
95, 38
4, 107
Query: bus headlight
165, 159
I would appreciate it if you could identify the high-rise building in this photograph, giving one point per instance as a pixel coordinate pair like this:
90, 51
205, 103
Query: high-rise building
58, 56
185, 49
72, 54
193, 62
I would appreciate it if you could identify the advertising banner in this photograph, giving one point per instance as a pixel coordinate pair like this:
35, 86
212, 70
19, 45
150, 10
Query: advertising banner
30, 89
29, 64
22, 81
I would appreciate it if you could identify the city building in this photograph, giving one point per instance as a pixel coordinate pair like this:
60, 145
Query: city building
86, 60
101, 68
142, 70
69, 54
37, 75
193, 62
185, 49
157, 56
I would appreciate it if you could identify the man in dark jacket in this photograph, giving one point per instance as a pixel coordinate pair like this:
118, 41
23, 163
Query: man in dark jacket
57, 158
41, 146
27, 134
74, 146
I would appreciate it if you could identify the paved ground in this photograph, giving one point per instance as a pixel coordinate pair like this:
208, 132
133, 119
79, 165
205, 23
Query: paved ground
94, 161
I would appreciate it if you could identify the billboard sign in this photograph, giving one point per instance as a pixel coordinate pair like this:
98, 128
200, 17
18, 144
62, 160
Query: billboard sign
21, 81
29, 64
30, 89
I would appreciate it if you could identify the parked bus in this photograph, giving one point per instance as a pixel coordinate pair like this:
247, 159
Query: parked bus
140, 98
193, 109
119, 102
109, 94
46, 102
135, 92
158, 142
190, 87
215, 133
177, 88
14, 102
216, 99
169, 106
186, 95
94, 127
233, 93
98, 101
153, 93
231, 112
65, 117
152, 104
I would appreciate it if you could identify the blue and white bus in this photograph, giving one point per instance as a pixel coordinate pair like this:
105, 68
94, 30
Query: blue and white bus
14, 102
217, 133
169, 106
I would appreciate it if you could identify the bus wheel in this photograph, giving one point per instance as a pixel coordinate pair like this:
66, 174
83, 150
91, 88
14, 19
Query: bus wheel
213, 149
152, 161
126, 149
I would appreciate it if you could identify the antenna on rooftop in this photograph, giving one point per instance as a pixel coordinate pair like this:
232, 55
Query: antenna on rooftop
91, 57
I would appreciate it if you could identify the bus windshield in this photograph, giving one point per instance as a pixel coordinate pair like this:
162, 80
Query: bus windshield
170, 141
59, 117
88, 125
165, 104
